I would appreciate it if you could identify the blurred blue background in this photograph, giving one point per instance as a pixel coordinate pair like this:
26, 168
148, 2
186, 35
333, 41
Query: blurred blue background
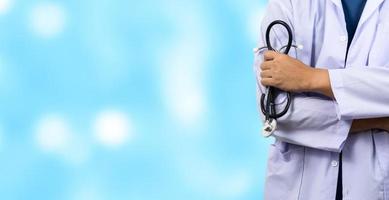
139, 100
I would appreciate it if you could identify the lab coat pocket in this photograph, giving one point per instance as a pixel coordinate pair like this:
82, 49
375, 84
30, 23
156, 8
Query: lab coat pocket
285, 169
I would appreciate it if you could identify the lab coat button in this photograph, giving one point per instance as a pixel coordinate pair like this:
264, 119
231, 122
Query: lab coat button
334, 163
343, 38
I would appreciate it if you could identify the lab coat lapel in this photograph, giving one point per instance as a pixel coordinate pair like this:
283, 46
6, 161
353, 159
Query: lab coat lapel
370, 7
338, 3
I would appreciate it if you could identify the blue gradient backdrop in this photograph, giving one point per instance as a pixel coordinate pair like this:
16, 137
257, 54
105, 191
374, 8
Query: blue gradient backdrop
176, 74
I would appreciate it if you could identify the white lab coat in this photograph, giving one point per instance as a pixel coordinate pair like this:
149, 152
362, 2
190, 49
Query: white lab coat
303, 162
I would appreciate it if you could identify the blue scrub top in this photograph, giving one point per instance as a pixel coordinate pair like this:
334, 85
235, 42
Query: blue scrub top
352, 12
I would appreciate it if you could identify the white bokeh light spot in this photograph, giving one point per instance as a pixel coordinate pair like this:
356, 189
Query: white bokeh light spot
184, 94
47, 20
254, 24
52, 133
5, 6
183, 69
113, 128
190, 106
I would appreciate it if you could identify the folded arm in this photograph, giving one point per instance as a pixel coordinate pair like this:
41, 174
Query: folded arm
310, 121
363, 103
322, 123
358, 96
356, 90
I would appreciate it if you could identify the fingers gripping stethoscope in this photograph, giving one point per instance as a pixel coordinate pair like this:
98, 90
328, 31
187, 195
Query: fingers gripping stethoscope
268, 105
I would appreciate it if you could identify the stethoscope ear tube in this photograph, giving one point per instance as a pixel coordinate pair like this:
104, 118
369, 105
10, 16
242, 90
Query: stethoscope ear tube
288, 29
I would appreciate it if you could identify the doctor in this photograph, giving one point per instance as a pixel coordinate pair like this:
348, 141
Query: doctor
333, 142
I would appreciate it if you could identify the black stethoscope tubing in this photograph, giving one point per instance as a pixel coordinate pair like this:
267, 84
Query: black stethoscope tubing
269, 108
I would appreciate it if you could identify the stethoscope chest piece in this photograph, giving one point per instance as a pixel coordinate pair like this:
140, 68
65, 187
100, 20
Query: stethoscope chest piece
269, 127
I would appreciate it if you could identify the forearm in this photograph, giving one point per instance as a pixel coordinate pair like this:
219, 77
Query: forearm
368, 124
312, 121
319, 81
359, 92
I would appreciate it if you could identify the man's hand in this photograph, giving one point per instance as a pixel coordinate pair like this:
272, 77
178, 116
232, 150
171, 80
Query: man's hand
284, 72
289, 74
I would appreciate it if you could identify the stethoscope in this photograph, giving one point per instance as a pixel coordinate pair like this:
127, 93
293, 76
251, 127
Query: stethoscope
268, 105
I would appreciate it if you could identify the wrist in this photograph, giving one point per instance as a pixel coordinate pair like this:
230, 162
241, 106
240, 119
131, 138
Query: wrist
314, 79
319, 81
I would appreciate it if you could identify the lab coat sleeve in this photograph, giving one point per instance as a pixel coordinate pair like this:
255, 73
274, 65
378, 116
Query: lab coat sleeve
310, 121
361, 92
